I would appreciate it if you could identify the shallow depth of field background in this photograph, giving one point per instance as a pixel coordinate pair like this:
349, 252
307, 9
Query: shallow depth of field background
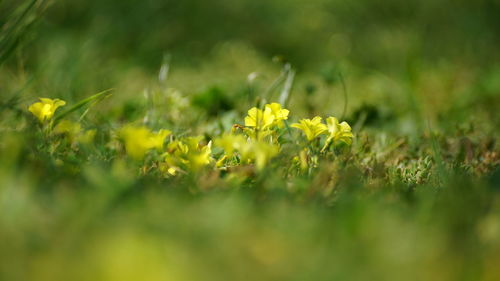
396, 70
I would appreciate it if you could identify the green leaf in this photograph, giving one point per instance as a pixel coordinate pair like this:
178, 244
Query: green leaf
90, 100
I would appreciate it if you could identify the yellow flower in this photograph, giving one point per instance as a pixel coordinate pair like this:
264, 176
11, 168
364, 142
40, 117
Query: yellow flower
45, 108
249, 151
338, 132
220, 162
188, 154
311, 128
263, 152
279, 113
230, 143
157, 139
259, 119
172, 171
258, 152
138, 140
199, 155
257, 134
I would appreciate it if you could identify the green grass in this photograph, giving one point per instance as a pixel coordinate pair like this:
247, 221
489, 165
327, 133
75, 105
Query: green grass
415, 197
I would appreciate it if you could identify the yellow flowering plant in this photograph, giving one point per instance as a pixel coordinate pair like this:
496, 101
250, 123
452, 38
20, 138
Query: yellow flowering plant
246, 151
311, 128
262, 123
187, 154
338, 132
138, 140
58, 132
259, 119
260, 142
280, 114
230, 143
259, 153
44, 109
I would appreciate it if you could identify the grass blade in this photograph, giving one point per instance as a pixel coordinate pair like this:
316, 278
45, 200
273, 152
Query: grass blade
16, 27
92, 99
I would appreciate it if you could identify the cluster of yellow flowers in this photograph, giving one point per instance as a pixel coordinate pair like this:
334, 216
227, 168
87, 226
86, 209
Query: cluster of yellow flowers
254, 143
262, 123
337, 132
241, 150
188, 154
138, 140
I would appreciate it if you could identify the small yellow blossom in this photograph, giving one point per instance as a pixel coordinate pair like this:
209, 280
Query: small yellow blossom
138, 140
188, 154
157, 139
230, 143
257, 134
248, 150
279, 113
263, 153
172, 171
311, 128
220, 162
258, 152
45, 108
200, 155
259, 119
338, 132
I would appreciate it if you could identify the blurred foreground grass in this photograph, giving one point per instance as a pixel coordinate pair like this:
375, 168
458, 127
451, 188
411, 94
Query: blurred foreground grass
417, 197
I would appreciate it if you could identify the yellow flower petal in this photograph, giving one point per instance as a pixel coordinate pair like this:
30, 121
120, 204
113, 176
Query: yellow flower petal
260, 119
311, 128
339, 132
45, 109
138, 140
278, 112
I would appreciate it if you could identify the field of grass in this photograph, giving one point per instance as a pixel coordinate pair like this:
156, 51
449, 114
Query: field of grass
182, 140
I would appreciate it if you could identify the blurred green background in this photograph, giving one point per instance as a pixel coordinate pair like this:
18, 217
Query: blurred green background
399, 68
441, 55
